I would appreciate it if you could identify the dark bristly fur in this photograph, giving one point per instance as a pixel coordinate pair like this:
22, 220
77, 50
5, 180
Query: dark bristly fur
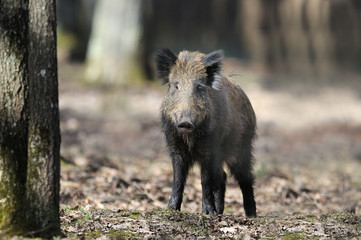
207, 119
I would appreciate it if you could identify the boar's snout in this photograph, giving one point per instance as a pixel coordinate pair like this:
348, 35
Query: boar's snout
185, 127
186, 121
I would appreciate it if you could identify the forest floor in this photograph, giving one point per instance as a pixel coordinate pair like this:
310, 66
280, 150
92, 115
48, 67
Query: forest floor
116, 175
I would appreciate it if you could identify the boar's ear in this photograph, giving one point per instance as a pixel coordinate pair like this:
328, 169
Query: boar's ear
213, 64
164, 59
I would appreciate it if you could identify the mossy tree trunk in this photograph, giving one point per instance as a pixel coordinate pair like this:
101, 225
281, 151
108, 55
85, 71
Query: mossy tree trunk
29, 119
13, 112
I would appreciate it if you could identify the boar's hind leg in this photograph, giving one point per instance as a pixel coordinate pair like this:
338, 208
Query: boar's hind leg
180, 172
219, 194
244, 177
248, 197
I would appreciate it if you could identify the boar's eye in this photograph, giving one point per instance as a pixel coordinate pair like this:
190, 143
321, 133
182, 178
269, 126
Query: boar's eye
200, 86
175, 85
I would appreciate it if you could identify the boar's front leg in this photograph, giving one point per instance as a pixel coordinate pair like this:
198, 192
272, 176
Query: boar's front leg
213, 188
207, 191
219, 193
180, 172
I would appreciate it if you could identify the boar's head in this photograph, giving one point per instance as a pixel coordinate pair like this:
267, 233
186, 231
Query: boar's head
192, 79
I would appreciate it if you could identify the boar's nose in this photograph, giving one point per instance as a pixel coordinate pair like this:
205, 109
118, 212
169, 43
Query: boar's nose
185, 127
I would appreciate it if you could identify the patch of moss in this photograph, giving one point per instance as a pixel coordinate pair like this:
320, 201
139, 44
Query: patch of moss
93, 234
164, 212
135, 214
339, 215
291, 236
272, 235
124, 235
200, 230
85, 214
131, 214
310, 217
346, 217
70, 235
67, 210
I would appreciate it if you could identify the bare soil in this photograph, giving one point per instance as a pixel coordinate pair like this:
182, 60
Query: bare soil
116, 174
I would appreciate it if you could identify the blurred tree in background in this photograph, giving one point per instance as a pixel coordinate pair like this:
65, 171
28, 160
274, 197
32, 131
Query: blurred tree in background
114, 42
310, 39
76, 17
304, 37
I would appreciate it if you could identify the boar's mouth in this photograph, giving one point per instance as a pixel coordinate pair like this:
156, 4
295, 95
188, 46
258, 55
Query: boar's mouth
185, 127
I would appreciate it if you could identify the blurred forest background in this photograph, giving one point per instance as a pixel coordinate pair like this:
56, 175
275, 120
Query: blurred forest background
299, 61
302, 39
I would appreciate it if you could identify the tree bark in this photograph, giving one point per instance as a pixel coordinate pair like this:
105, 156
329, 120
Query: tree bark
13, 113
29, 119
43, 174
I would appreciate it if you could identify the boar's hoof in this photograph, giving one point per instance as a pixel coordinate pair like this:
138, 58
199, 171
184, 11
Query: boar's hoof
185, 127
173, 206
251, 213
209, 210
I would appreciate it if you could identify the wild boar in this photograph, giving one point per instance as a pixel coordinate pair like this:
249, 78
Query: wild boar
209, 120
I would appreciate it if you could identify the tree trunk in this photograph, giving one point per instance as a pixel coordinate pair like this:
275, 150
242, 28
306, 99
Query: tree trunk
113, 47
29, 119
13, 113
42, 185
75, 18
